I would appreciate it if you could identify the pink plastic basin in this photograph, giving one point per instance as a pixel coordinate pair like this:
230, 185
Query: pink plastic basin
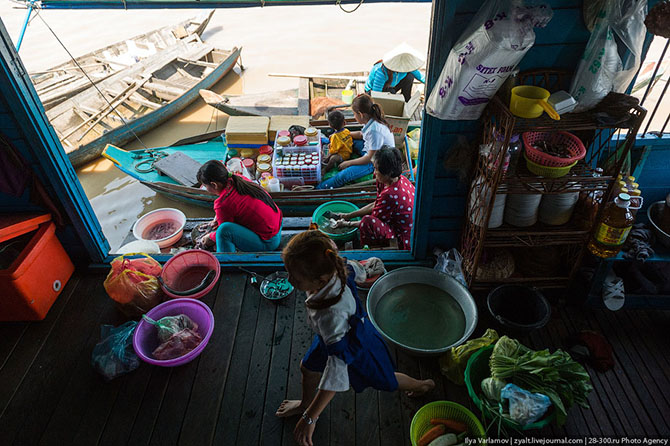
186, 271
145, 338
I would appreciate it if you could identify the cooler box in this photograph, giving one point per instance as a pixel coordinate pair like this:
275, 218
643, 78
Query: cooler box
396, 112
38, 274
247, 131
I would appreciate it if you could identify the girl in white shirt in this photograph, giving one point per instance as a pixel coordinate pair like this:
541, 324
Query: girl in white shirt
375, 134
346, 351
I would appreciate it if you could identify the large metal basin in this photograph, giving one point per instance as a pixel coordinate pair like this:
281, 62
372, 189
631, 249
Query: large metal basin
427, 276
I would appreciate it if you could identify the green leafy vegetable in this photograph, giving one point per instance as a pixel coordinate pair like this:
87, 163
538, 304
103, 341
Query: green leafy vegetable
492, 387
556, 375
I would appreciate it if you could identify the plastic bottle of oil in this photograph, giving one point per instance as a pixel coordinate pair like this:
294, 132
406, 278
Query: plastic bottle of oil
611, 231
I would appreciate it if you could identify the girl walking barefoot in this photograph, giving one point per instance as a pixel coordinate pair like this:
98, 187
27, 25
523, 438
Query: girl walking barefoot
347, 351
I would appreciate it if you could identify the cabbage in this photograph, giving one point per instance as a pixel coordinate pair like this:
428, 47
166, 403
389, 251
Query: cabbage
492, 388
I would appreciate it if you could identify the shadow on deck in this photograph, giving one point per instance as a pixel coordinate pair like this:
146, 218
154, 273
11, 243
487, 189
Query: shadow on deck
49, 394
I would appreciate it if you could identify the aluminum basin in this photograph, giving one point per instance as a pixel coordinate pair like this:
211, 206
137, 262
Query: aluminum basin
427, 276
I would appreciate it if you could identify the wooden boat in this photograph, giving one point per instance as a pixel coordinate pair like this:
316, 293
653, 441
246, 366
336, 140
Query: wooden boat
298, 101
138, 99
210, 146
58, 83
314, 97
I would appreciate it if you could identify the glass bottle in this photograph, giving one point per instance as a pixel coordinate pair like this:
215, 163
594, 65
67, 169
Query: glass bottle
635, 200
513, 153
588, 204
611, 231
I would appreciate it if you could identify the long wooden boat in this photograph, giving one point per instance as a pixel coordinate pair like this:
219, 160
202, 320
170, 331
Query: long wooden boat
301, 101
314, 96
62, 81
138, 99
210, 146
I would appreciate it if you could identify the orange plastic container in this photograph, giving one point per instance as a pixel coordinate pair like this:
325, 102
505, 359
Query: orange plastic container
37, 276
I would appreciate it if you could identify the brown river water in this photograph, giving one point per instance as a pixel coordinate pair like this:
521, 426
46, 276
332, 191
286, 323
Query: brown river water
277, 39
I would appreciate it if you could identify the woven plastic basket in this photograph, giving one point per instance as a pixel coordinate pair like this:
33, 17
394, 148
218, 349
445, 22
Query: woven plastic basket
478, 369
546, 171
573, 144
445, 409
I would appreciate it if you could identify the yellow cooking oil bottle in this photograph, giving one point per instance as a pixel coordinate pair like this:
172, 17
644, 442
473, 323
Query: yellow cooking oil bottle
611, 231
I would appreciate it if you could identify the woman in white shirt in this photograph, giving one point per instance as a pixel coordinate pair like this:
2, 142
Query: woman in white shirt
375, 134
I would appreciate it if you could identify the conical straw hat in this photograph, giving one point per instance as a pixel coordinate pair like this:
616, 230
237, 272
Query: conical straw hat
403, 59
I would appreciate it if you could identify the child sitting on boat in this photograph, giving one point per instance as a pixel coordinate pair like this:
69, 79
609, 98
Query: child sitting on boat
341, 143
347, 351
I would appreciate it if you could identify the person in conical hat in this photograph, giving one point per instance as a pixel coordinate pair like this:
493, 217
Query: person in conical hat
396, 71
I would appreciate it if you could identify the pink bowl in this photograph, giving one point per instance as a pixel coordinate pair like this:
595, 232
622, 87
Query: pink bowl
187, 271
145, 338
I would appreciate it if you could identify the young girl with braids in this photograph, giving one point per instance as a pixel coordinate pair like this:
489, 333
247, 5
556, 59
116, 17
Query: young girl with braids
375, 134
246, 217
347, 351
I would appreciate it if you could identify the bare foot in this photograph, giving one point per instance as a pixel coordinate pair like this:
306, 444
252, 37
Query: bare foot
425, 386
288, 408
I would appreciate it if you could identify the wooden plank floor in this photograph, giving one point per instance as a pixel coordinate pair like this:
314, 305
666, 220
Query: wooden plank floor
50, 395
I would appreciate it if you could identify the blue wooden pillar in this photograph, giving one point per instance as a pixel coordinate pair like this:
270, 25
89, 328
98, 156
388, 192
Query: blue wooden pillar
25, 124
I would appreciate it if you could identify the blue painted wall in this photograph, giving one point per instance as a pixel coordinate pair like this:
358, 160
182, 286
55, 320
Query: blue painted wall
23, 123
441, 202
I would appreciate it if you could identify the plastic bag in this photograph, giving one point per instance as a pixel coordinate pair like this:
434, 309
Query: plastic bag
169, 325
449, 263
485, 55
133, 284
525, 407
613, 52
454, 361
178, 344
114, 355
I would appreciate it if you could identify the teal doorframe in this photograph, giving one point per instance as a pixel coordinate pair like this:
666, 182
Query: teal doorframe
51, 164
441, 40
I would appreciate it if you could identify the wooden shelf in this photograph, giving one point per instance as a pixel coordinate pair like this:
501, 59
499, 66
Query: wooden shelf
580, 179
538, 282
536, 235
568, 121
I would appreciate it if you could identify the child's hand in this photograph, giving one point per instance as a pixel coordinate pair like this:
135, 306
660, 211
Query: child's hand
303, 433
344, 165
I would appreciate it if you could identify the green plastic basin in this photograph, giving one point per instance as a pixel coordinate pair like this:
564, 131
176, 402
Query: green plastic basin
336, 206
478, 369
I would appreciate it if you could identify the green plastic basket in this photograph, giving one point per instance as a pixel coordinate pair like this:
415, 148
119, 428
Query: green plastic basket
336, 206
478, 369
445, 409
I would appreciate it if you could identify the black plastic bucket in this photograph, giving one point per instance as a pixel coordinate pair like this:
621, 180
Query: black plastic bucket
518, 309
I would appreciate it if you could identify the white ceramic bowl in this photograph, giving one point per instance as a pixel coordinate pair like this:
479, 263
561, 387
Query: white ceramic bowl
148, 221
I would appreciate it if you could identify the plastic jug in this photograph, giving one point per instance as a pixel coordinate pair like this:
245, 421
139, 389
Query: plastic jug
273, 185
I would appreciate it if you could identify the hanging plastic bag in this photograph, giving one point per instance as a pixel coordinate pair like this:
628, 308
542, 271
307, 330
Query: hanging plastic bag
454, 361
450, 263
114, 355
133, 284
487, 52
613, 52
525, 407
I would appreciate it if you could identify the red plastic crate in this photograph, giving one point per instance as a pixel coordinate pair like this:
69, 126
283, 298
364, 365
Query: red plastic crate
33, 281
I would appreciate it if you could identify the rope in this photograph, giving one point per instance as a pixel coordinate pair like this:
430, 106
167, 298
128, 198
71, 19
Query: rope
339, 3
92, 83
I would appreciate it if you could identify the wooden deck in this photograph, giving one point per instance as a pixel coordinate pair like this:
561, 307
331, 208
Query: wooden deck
49, 394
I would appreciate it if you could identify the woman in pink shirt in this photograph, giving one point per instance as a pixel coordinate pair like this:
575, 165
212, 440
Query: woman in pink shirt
246, 217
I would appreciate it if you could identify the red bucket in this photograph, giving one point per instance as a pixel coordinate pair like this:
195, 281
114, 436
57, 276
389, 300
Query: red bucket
191, 273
